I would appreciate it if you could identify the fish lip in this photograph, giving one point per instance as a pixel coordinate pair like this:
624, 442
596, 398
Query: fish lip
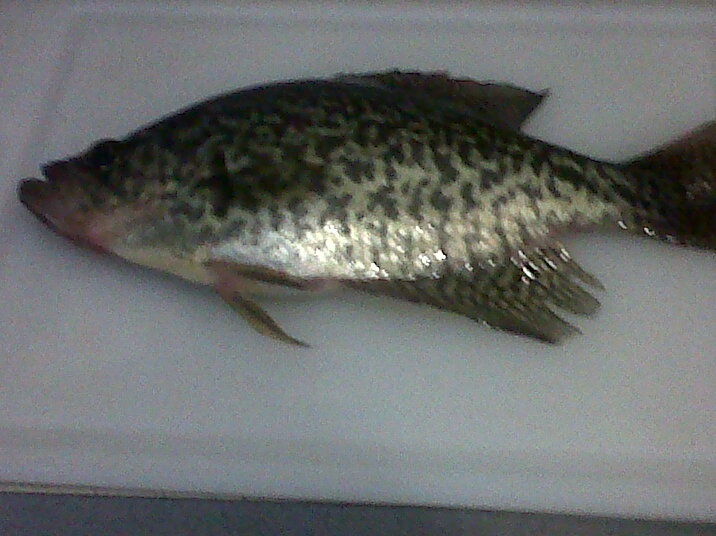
54, 202
36, 193
32, 192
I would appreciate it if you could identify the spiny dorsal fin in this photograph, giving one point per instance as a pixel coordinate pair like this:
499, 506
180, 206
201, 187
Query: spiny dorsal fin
500, 104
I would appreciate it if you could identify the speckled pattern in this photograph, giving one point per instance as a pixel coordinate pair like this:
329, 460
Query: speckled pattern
321, 179
389, 189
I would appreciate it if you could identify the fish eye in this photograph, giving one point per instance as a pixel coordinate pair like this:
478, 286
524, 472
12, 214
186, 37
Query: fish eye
103, 153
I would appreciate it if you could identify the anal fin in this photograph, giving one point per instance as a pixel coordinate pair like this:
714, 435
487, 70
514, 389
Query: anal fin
519, 295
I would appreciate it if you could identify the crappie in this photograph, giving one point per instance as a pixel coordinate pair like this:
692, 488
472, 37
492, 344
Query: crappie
412, 185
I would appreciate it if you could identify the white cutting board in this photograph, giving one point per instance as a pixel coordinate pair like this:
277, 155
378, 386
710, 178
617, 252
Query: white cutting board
113, 375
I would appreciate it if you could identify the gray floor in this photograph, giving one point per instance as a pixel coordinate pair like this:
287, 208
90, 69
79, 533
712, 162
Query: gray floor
35, 514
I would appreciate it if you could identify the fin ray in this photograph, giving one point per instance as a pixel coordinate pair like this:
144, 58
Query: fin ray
505, 297
497, 103
234, 285
260, 320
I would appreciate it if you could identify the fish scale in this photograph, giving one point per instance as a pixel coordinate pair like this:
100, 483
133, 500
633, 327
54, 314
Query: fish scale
442, 166
412, 185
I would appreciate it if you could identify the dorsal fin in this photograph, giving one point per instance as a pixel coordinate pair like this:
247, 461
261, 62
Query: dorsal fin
500, 104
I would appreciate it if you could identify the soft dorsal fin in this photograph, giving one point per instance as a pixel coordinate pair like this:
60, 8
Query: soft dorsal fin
500, 104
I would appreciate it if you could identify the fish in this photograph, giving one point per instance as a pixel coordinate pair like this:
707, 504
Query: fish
414, 185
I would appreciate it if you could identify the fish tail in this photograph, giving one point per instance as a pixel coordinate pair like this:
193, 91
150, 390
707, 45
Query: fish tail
676, 189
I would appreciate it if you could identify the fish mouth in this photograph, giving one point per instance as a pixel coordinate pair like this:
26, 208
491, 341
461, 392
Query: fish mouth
44, 198
62, 202
36, 195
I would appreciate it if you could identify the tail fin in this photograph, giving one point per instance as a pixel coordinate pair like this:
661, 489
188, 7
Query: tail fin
682, 176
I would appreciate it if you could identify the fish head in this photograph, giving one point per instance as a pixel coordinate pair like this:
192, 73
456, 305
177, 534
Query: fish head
88, 198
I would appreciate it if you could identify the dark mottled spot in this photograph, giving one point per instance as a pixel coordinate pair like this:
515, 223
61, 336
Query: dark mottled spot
339, 202
626, 193
296, 122
329, 144
418, 151
218, 162
339, 215
358, 169
297, 208
448, 172
292, 153
384, 197
612, 187
568, 173
395, 153
440, 201
323, 218
236, 225
466, 192
376, 252
519, 159
606, 195
293, 203
552, 187
591, 187
524, 232
463, 150
405, 188
489, 178
316, 180
415, 207
499, 230
533, 192
365, 135
256, 227
219, 190
338, 207
276, 217
500, 200
390, 173
190, 211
